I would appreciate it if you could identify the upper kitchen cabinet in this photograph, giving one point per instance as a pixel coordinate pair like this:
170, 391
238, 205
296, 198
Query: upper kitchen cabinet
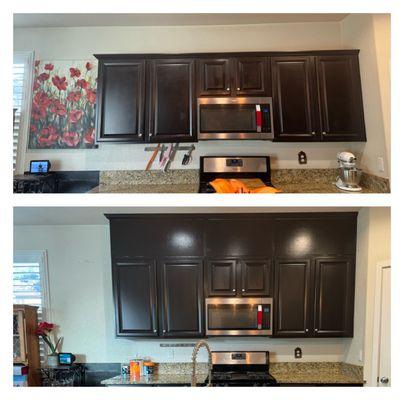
255, 277
135, 297
240, 76
182, 297
293, 93
318, 98
334, 296
171, 109
120, 100
214, 77
340, 97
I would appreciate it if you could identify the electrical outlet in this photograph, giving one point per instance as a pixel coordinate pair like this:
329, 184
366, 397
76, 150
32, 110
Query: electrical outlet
380, 164
302, 157
360, 356
298, 352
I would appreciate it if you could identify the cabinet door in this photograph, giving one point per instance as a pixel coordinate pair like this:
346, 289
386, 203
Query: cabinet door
251, 76
135, 297
295, 110
255, 277
172, 101
221, 278
214, 77
334, 296
340, 98
19, 338
291, 298
121, 101
182, 298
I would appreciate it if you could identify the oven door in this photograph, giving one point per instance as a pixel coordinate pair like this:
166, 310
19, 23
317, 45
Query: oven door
238, 317
235, 118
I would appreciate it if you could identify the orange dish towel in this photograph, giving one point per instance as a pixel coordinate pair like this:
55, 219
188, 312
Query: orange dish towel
241, 186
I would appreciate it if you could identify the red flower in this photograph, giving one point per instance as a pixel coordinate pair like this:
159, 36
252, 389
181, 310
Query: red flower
91, 96
74, 72
60, 83
33, 129
43, 77
71, 139
37, 62
36, 86
38, 112
82, 83
41, 99
75, 115
44, 326
89, 66
89, 137
49, 67
58, 108
74, 96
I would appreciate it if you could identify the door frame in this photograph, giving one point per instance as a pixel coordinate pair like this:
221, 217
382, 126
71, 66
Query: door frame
374, 359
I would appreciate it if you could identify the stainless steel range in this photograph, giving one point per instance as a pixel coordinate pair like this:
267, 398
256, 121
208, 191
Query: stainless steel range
243, 368
229, 167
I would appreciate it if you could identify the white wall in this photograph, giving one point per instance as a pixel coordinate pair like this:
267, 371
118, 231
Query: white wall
371, 34
373, 246
82, 305
82, 43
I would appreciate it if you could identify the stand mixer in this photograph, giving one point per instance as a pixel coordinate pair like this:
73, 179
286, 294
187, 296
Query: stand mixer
349, 176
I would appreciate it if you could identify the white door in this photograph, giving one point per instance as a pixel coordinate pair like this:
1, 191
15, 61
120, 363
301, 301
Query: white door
384, 344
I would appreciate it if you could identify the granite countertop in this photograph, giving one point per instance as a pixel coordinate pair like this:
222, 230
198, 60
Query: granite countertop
286, 373
321, 373
155, 379
187, 181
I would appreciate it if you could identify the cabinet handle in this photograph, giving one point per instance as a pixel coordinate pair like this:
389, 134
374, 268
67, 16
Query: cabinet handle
316, 330
164, 331
243, 290
313, 133
307, 330
228, 89
324, 132
154, 330
238, 89
140, 134
234, 290
150, 134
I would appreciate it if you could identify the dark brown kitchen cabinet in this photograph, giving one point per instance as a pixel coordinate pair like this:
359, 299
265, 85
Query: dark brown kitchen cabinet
221, 278
293, 92
292, 284
240, 76
251, 76
334, 296
135, 297
171, 110
120, 99
238, 277
182, 298
214, 77
340, 97
255, 277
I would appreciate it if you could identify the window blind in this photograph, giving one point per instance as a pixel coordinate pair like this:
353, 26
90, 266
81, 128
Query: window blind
18, 91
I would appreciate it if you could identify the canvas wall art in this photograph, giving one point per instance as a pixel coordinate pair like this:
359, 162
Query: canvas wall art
63, 105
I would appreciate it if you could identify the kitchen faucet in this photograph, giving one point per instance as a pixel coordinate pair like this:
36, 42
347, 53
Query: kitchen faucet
198, 345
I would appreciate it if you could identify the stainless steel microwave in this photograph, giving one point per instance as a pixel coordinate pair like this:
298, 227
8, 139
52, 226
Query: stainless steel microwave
235, 118
238, 316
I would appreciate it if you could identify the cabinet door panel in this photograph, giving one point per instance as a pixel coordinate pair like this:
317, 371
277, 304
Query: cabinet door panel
291, 298
214, 77
251, 76
172, 100
182, 296
255, 277
120, 112
221, 278
135, 297
334, 296
293, 94
340, 98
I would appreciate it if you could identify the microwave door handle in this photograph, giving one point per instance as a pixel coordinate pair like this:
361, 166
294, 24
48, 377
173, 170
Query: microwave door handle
258, 118
259, 316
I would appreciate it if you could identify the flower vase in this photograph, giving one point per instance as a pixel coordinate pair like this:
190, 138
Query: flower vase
53, 360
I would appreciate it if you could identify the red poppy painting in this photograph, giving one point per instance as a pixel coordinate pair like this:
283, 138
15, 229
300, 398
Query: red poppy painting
63, 105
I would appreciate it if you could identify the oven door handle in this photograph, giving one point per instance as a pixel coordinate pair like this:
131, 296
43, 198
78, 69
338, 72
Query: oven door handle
259, 316
258, 118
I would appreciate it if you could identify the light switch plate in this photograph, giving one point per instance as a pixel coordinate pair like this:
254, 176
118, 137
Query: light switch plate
380, 164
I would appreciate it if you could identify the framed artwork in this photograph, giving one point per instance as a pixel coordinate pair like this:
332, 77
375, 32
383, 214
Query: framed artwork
63, 105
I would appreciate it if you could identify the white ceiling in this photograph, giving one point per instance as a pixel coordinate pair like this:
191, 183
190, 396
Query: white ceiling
71, 20
95, 215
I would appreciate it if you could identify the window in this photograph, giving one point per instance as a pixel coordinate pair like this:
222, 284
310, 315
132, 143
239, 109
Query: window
30, 284
22, 84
